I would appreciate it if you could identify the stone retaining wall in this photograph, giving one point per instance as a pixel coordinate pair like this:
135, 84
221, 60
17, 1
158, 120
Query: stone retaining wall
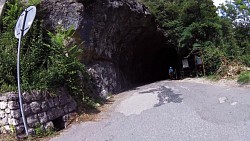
40, 109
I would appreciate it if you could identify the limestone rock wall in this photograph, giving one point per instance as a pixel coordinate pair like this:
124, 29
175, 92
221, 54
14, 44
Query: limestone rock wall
117, 32
40, 110
64, 13
105, 77
121, 41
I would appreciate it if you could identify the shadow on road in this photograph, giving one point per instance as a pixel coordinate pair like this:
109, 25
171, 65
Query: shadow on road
165, 94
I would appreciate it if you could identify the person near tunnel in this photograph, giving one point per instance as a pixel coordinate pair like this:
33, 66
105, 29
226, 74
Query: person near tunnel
171, 72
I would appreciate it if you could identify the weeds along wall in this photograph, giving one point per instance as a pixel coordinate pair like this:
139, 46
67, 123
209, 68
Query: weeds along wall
49, 60
41, 109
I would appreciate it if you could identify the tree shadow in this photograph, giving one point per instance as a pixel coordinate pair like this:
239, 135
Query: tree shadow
165, 95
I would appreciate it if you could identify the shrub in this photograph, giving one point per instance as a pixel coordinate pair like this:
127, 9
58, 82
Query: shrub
244, 77
212, 59
48, 60
246, 59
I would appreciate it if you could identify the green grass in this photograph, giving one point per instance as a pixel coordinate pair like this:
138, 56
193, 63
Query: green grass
244, 77
212, 77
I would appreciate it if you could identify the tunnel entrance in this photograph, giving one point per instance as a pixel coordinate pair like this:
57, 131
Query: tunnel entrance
125, 45
149, 61
152, 65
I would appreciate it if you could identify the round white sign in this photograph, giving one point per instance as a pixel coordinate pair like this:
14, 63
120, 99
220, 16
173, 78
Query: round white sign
30, 16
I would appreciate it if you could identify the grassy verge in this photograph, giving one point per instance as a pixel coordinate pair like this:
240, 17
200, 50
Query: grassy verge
213, 78
244, 77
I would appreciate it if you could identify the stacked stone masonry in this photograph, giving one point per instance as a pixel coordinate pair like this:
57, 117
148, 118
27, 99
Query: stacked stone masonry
40, 109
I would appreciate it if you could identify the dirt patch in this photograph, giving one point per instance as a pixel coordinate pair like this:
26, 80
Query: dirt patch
7, 137
94, 114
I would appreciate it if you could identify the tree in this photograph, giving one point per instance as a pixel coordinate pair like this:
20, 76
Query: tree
194, 24
237, 13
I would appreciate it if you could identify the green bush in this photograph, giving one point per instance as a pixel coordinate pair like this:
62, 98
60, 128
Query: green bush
244, 77
8, 46
41, 132
246, 59
47, 60
212, 59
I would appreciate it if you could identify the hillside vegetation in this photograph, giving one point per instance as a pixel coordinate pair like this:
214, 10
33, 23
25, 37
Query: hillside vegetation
223, 33
48, 60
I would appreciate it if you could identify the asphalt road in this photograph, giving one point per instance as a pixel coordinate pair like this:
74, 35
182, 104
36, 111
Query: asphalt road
171, 111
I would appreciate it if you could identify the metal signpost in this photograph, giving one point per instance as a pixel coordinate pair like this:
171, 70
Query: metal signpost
22, 26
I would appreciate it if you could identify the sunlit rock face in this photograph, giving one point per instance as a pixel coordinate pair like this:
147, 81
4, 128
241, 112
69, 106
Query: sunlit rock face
64, 13
121, 41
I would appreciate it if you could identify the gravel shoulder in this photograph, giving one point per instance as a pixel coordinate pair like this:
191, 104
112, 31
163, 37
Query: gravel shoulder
222, 82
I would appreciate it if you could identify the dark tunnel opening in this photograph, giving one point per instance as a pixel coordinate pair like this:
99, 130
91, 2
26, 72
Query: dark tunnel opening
149, 61
126, 46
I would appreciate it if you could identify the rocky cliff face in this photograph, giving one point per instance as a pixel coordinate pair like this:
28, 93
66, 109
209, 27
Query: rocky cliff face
122, 43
